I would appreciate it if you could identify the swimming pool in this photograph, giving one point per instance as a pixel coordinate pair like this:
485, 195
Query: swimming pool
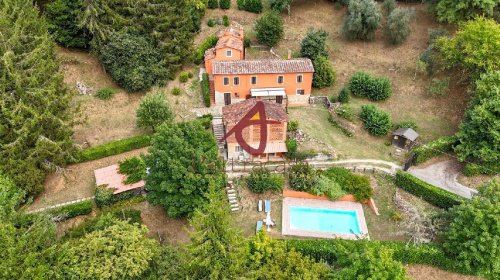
324, 220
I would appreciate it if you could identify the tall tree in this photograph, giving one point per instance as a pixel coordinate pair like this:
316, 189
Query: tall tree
472, 237
35, 115
362, 20
457, 10
153, 111
183, 160
62, 16
314, 44
216, 251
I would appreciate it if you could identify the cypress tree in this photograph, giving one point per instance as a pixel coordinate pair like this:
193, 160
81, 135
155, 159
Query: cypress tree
35, 118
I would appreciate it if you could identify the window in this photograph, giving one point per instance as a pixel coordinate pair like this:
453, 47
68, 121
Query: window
279, 99
280, 79
238, 149
229, 53
300, 91
254, 80
226, 81
299, 79
236, 81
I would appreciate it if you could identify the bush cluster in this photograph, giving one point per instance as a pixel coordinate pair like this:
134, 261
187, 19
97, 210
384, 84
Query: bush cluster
205, 90
345, 112
254, 6
474, 169
344, 96
355, 184
72, 210
302, 177
324, 75
114, 148
262, 180
291, 146
314, 44
365, 85
134, 168
269, 29
105, 93
133, 62
432, 194
375, 121
328, 187
199, 54
434, 148
213, 4
225, 4
398, 25
184, 76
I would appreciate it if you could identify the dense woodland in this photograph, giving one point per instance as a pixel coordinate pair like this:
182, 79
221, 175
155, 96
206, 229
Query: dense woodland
145, 43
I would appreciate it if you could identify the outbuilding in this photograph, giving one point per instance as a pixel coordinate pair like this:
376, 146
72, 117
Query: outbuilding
404, 138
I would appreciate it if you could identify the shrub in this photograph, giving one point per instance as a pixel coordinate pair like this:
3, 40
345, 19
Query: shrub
61, 15
373, 88
302, 177
176, 91
114, 148
438, 87
375, 121
389, 6
70, 211
213, 4
362, 20
344, 96
199, 54
105, 93
153, 111
269, 29
133, 62
184, 76
190, 75
437, 33
398, 25
247, 42
314, 44
291, 147
134, 168
345, 112
333, 99
205, 90
103, 196
432, 194
454, 11
328, 187
254, 6
357, 185
336, 122
324, 75
261, 180
432, 149
292, 126
472, 237
225, 4
211, 22
206, 120
406, 124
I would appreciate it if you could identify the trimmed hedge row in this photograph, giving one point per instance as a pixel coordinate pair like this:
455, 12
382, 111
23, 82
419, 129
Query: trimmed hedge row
114, 148
205, 90
472, 169
199, 54
434, 148
432, 194
331, 250
72, 210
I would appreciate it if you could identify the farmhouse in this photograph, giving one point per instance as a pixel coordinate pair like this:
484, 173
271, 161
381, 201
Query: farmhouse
234, 79
276, 132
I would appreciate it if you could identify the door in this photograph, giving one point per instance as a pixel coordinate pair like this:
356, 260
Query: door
227, 98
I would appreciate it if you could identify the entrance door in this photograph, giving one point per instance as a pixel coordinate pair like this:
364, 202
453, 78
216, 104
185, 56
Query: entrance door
227, 98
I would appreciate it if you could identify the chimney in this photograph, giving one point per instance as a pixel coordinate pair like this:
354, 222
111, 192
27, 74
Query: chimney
289, 54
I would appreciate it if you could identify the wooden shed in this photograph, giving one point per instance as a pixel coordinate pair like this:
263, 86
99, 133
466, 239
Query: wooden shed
404, 138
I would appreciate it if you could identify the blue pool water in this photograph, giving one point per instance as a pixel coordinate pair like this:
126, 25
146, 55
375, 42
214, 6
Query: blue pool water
324, 220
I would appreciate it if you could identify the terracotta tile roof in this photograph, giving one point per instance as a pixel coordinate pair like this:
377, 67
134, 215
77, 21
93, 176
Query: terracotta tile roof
232, 32
230, 42
263, 66
210, 53
109, 176
233, 113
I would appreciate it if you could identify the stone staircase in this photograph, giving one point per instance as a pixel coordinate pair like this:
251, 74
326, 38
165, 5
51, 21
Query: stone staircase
218, 129
232, 196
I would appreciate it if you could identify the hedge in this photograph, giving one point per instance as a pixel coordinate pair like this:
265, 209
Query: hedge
205, 90
434, 148
72, 210
328, 250
473, 169
199, 54
432, 194
105, 196
114, 148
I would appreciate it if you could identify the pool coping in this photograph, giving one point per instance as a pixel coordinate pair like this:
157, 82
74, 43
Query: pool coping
316, 203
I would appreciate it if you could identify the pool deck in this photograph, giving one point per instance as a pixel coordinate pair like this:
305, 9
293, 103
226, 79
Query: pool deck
315, 203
